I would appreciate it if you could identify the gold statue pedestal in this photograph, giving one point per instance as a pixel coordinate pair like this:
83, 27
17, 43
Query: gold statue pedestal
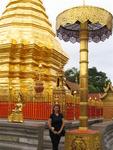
83, 140
16, 117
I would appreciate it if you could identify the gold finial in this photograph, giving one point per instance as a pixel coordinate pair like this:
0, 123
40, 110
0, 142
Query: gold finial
83, 2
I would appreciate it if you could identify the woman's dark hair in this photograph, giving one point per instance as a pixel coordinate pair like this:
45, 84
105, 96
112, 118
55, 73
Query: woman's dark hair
55, 106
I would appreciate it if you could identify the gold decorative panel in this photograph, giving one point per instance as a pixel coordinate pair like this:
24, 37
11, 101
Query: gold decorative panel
83, 140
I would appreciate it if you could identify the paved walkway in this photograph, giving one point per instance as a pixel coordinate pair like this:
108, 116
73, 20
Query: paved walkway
47, 143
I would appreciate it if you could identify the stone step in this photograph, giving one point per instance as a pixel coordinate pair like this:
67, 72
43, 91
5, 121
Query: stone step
18, 137
15, 136
18, 129
16, 146
18, 134
19, 140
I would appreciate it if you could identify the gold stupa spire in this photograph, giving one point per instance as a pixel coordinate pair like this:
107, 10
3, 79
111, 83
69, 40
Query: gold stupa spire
83, 2
27, 40
26, 20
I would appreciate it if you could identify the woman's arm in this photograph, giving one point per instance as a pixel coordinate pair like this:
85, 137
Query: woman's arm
50, 127
49, 123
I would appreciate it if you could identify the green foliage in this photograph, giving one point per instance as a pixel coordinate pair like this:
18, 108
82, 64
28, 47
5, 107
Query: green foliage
72, 75
96, 80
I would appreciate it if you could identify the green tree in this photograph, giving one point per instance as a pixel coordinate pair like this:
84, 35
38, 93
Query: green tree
96, 79
72, 75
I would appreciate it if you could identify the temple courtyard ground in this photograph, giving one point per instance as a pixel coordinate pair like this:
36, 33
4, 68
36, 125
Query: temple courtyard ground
24, 136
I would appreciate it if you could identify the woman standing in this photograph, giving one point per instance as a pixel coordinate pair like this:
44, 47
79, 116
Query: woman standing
56, 126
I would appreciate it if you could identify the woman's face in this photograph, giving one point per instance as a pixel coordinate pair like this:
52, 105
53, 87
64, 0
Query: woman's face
56, 109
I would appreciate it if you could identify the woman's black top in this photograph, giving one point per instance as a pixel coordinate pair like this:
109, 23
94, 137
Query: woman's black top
56, 121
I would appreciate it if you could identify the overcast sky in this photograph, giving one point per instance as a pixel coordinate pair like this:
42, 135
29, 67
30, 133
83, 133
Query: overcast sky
100, 54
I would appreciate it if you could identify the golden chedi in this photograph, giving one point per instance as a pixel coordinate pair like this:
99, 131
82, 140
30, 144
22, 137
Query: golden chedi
27, 40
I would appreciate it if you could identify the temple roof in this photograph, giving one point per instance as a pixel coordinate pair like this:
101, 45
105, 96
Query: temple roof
72, 86
109, 88
26, 20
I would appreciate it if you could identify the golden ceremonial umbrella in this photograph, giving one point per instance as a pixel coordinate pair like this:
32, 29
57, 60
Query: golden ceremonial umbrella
84, 24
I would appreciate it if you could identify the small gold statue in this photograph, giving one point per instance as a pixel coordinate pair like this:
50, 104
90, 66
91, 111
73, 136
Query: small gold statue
16, 114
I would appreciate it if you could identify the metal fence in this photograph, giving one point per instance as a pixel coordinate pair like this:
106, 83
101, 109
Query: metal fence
40, 108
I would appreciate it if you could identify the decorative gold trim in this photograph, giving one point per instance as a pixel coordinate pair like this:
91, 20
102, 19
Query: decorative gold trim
83, 128
83, 50
83, 117
83, 103
83, 139
83, 14
84, 61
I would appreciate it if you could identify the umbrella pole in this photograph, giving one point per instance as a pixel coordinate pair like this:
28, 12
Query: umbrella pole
83, 138
83, 76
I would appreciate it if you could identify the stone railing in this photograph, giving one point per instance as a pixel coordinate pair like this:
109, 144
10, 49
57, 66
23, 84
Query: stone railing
106, 130
107, 138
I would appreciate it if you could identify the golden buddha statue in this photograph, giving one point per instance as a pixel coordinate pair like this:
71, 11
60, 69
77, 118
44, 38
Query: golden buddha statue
16, 114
